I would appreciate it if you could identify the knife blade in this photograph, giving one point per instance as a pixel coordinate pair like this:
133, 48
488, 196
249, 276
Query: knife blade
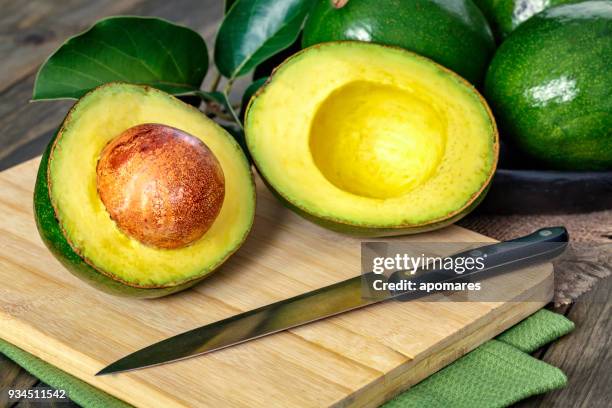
340, 297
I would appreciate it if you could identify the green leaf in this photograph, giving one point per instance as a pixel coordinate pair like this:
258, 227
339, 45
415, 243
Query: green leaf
254, 30
139, 50
228, 5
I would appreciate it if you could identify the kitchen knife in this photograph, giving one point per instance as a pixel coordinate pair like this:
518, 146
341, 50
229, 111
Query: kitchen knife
340, 297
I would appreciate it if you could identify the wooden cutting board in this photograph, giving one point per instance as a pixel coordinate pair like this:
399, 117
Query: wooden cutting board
361, 358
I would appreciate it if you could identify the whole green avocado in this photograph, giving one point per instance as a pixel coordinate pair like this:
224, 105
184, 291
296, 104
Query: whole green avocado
505, 15
454, 33
550, 86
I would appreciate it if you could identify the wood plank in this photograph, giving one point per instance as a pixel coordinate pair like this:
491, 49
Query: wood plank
31, 30
585, 355
27, 127
55, 316
13, 377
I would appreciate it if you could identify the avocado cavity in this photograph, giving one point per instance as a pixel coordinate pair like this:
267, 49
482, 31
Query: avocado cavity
375, 140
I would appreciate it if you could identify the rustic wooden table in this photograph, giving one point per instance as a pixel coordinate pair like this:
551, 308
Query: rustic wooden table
29, 31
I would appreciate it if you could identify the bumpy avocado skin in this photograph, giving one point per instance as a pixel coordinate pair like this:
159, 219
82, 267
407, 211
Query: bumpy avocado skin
505, 15
549, 86
52, 236
453, 33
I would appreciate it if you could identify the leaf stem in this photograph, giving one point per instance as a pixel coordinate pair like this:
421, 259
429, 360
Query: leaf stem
230, 108
215, 83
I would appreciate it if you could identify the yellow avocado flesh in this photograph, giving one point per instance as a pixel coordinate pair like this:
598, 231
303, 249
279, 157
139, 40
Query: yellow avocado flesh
372, 136
95, 120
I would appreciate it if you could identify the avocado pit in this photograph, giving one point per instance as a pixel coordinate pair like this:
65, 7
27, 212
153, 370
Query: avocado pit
161, 186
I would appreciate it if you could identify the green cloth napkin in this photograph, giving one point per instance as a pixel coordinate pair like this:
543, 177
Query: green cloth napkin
496, 374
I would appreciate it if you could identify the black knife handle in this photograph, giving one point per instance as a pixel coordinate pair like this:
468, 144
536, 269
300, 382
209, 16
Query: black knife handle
539, 246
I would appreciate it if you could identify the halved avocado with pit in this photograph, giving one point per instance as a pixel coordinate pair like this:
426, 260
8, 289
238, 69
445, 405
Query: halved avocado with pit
140, 194
372, 140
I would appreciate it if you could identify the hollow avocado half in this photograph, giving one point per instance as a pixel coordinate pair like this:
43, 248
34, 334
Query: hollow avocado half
75, 225
372, 140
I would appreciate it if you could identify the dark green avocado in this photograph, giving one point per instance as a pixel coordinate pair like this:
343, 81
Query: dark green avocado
505, 15
550, 86
454, 33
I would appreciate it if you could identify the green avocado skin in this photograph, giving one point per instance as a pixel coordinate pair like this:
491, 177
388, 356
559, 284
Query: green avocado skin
454, 33
505, 15
52, 236
550, 86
